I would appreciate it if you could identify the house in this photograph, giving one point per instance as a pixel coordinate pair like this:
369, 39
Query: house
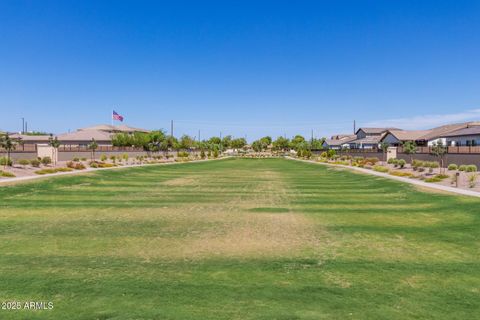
339, 141
469, 136
399, 137
31, 139
369, 138
101, 133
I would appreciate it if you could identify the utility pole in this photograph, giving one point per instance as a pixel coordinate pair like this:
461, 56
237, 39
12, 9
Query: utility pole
23, 125
199, 136
171, 128
26, 126
354, 127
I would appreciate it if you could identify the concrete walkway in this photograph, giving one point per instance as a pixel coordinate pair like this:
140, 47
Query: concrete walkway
35, 177
402, 179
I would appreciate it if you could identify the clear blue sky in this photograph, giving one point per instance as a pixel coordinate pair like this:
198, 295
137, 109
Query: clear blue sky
240, 67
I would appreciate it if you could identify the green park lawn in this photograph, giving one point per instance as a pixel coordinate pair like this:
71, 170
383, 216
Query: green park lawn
238, 239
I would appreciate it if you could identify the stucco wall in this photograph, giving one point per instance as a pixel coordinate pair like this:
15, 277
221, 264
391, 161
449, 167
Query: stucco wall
460, 158
21, 155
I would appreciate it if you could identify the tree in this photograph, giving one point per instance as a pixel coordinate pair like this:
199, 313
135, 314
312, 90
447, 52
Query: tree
297, 142
186, 142
238, 143
410, 148
227, 142
281, 144
384, 146
9, 144
439, 151
93, 145
55, 144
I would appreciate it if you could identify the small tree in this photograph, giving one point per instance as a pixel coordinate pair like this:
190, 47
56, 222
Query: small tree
439, 151
410, 148
93, 145
9, 145
384, 146
55, 144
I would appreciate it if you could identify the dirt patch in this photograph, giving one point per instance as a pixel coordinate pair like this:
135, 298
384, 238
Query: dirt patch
182, 181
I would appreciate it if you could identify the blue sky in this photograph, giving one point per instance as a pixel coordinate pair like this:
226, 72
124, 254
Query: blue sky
239, 67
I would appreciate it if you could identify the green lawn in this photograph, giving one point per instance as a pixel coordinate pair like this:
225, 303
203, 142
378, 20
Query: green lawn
238, 239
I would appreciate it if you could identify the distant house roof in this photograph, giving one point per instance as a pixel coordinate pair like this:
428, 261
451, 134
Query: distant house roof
85, 135
442, 131
110, 128
368, 140
408, 135
375, 130
472, 130
340, 139
30, 138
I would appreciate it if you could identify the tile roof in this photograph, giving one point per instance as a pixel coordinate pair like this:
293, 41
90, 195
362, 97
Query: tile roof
376, 130
110, 128
85, 135
472, 130
408, 135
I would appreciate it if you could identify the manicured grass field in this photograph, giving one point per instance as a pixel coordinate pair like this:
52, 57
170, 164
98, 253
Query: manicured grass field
238, 239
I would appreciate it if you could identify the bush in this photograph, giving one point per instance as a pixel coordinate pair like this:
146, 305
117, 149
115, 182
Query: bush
6, 174
373, 160
391, 160
79, 166
76, 159
103, 157
182, 154
401, 173
462, 168
53, 170
331, 153
401, 163
70, 164
442, 176
215, 153
125, 157
3, 161
35, 163
202, 154
324, 154
24, 162
433, 179
472, 180
452, 167
471, 168
83, 159
380, 168
46, 161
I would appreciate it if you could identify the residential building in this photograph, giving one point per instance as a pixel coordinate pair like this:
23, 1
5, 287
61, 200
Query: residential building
340, 141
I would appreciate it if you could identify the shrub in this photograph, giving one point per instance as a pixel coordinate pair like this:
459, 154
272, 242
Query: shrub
373, 160
471, 168
6, 174
442, 176
331, 153
79, 166
76, 159
24, 162
452, 167
433, 179
472, 180
391, 160
324, 154
70, 164
380, 168
307, 154
421, 169
401, 173
182, 154
125, 156
202, 154
46, 161
401, 163
83, 159
462, 168
4, 160
103, 157
35, 163
113, 158
215, 153
53, 170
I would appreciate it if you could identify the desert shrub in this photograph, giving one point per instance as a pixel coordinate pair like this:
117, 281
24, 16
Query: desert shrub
53, 170
380, 168
401, 173
421, 169
125, 156
452, 167
391, 160
442, 176
324, 154
215, 153
6, 174
103, 157
372, 160
331, 153
433, 179
83, 159
4, 160
24, 162
462, 168
307, 154
401, 163
35, 163
472, 180
93, 164
76, 159
79, 166
70, 164
471, 168
46, 161
182, 154
202, 154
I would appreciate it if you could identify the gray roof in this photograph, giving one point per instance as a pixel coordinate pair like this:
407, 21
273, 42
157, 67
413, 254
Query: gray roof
85, 135
375, 130
473, 130
338, 140
30, 138
368, 140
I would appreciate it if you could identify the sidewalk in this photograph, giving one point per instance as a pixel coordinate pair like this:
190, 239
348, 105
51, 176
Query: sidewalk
402, 179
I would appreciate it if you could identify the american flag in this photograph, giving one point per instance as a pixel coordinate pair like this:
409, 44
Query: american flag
116, 116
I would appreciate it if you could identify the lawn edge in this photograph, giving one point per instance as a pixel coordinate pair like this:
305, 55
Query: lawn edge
88, 170
401, 179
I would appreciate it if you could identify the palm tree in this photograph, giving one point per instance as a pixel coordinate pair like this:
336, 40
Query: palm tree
384, 146
55, 144
93, 145
9, 145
